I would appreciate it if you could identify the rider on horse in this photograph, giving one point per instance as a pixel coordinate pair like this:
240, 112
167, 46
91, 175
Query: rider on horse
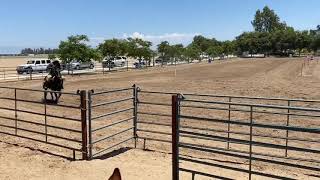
54, 72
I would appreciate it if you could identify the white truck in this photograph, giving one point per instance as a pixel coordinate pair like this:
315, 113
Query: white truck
34, 66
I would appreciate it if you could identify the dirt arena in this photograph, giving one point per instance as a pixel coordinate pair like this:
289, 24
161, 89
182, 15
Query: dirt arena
246, 77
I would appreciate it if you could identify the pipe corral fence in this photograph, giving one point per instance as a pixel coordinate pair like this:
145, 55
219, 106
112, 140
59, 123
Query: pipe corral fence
246, 135
10, 73
27, 114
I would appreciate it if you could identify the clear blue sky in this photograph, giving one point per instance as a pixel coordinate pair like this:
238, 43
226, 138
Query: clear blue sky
43, 23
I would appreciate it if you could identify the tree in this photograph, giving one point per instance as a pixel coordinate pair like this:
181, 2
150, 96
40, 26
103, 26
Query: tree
164, 50
113, 47
267, 21
203, 44
192, 52
138, 48
75, 48
228, 47
214, 51
175, 52
303, 40
263, 43
283, 41
315, 44
96, 55
247, 42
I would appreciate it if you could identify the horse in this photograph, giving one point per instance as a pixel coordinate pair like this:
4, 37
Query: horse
115, 175
54, 84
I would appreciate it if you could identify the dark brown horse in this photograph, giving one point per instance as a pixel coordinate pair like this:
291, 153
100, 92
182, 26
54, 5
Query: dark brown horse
54, 84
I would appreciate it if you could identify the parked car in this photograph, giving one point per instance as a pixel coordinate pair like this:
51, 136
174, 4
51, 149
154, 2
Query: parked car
112, 62
160, 61
78, 65
139, 64
34, 66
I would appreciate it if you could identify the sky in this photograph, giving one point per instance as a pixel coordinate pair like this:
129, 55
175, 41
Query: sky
44, 23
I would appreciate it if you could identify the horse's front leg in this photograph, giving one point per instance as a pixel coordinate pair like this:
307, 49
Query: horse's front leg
59, 95
45, 95
51, 96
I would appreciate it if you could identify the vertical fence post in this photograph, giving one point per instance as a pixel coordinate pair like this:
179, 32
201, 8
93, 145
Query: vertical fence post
89, 122
45, 115
175, 137
250, 149
229, 118
30, 74
15, 111
287, 132
84, 124
127, 64
135, 117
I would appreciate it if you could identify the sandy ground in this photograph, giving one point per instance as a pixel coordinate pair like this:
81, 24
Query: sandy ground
252, 77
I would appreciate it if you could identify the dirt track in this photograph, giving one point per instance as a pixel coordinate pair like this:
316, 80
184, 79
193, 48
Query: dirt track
258, 77
271, 78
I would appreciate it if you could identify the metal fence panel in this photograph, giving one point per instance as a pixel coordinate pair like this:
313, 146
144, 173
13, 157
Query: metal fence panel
198, 129
52, 127
111, 119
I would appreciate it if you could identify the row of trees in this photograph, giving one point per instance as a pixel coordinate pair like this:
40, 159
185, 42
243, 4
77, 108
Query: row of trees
270, 37
75, 47
26, 51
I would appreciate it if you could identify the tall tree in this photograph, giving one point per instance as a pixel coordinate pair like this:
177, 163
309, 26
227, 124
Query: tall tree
164, 50
202, 43
113, 47
139, 48
75, 48
267, 21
